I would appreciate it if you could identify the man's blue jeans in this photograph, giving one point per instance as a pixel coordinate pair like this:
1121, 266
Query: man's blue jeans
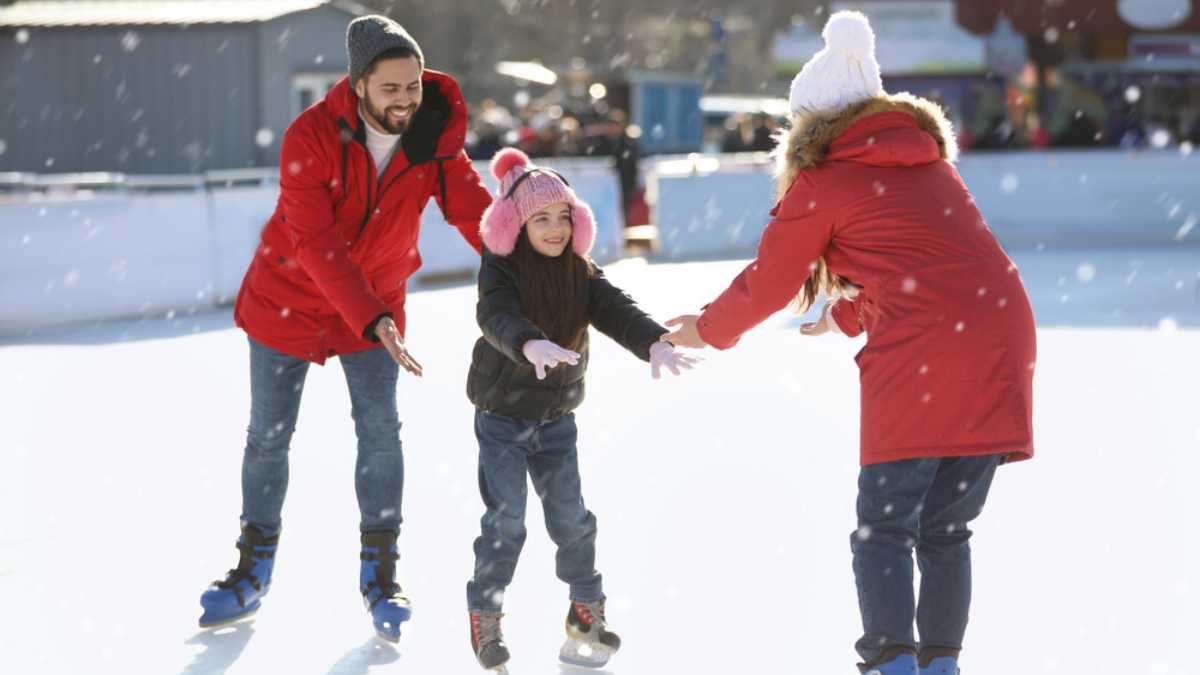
510, 449
926, 505
276, 382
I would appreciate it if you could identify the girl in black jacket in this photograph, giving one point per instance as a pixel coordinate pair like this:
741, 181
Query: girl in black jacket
538, 293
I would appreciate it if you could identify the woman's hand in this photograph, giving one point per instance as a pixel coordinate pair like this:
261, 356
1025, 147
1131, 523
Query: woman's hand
389, 335
544, 354
686, 335
662, 353
824, 324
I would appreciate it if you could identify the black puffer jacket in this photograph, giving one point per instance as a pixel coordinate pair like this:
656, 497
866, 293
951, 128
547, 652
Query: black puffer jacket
502, 380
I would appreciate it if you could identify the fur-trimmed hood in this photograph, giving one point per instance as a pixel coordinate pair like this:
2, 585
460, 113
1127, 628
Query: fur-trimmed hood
812, 136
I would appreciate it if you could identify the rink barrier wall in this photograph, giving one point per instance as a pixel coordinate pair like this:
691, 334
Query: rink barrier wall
89, 247
717, 206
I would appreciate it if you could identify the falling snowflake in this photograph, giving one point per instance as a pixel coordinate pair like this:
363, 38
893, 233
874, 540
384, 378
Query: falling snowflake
3, 146
1051, 35
1085, 272
1168, 325
264, 137
1185, 148
22, 36
1133, 93
1160, 138
1009, 183
908, 285
1186, 227
319, 59
130, 41
181, 70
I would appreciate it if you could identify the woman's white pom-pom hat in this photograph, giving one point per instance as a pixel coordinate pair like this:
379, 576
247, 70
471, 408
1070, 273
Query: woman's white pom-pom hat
844, 72
526, 189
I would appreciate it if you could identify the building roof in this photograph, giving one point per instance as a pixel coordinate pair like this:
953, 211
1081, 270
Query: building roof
66, 13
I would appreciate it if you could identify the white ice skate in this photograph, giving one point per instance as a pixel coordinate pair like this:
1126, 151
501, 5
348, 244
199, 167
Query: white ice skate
589, 644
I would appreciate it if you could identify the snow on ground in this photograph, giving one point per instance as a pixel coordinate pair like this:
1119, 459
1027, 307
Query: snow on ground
725, 497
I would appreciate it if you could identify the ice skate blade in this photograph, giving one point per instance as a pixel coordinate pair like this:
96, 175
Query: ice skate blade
221, 623
583, 655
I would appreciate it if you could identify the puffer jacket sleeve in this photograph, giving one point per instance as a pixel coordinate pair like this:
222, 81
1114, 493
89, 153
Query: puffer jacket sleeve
616, 315
499, 309
304, 177
848, 314
790, 246
462, 197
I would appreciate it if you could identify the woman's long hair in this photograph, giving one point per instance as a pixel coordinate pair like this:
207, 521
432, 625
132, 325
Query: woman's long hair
788, 166
553, 291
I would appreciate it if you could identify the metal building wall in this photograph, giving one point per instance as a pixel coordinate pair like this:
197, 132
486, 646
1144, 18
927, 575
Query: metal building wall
304, 42
139, 99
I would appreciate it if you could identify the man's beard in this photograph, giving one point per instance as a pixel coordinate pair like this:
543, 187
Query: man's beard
381, 118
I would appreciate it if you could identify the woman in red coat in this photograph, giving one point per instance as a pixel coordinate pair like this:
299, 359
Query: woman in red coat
874, 215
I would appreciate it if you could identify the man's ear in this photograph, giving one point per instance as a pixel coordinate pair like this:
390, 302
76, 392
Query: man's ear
360, 87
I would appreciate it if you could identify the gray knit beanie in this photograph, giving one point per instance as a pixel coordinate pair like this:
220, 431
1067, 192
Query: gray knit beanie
369, 36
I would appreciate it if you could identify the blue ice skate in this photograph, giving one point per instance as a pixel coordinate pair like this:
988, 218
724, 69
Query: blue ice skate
904, 663
942, 665
239, 594
383, 597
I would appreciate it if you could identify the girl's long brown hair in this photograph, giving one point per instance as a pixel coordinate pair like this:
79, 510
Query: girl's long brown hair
553, 291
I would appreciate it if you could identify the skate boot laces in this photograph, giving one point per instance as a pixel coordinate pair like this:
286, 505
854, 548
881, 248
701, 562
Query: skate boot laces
485, 628
589, 613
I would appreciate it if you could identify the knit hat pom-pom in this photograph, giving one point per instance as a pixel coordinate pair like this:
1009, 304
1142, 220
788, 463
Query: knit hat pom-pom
849, 33
506, 160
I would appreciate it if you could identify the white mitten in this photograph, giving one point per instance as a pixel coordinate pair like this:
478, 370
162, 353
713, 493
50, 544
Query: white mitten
663, 354
545, 354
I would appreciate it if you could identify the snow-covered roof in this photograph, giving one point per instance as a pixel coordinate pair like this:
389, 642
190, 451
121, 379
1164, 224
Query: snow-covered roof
63, 13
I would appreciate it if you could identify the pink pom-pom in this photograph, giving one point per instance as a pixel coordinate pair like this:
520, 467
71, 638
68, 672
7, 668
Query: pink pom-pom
506, 160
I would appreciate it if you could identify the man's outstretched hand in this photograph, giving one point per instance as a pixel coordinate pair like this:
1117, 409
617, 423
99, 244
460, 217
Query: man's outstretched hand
389, 335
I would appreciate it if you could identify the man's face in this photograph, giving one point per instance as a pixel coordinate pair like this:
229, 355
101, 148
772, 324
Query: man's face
391, 94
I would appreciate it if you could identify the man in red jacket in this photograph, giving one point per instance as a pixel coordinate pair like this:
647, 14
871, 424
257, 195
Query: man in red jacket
329, 278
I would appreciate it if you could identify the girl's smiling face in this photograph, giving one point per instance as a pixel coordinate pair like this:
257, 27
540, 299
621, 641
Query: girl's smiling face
549, 230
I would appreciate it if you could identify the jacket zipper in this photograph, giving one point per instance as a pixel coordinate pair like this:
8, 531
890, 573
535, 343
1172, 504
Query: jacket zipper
383, 188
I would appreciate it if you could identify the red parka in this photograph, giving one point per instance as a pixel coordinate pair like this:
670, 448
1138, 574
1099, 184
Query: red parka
947, 369
342, 243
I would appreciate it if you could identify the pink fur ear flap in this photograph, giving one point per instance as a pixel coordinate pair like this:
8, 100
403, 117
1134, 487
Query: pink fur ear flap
583, 232
500, 226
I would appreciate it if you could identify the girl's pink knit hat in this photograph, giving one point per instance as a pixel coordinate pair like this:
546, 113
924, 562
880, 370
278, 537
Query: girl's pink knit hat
537, 189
